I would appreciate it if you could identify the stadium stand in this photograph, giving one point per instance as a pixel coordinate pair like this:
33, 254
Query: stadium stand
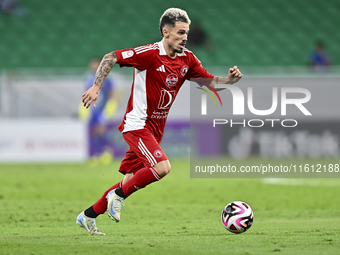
248, 32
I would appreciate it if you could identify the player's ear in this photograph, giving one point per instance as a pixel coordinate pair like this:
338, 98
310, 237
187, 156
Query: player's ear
165, 32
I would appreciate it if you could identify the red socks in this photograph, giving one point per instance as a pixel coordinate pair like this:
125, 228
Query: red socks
141, 178
101, 205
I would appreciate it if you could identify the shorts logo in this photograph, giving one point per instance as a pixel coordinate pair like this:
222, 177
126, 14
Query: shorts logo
158, 153
171, 80
127, 54
184, 70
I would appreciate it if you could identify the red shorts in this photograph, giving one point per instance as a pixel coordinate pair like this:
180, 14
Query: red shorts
144, 151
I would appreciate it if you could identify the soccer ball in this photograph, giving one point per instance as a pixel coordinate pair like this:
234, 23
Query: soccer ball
237, 217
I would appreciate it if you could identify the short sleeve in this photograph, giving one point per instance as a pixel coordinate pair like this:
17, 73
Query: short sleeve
131, 57
198, 73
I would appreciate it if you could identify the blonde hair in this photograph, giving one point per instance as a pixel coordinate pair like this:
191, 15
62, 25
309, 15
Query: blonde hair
171, 16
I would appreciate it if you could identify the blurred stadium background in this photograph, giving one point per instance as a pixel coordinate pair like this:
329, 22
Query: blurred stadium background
45, 49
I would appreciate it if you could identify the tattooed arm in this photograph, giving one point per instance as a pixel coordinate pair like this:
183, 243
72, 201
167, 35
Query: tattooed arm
105, 66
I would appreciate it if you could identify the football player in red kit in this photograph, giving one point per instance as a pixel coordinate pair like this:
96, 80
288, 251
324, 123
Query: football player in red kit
160, 70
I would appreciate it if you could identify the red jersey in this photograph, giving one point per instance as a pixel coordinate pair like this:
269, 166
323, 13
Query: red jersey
156, 81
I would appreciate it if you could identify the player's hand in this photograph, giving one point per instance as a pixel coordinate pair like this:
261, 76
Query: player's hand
90, 96
234, 74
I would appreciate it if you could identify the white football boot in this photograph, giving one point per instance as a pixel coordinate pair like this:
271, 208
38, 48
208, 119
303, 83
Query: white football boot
114, 204
88, 224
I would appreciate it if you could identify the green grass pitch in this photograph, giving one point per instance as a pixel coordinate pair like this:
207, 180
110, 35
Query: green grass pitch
39, 204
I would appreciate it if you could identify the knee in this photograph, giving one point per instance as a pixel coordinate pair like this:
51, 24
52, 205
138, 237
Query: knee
163, 168
127, 177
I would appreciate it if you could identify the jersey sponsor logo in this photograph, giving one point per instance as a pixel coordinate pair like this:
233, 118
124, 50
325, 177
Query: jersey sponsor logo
161, 69
184, 70
171, 80
166, 99
127, 54
159, 115
158, 154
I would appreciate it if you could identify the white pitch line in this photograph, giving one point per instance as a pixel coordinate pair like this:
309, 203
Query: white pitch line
301, 182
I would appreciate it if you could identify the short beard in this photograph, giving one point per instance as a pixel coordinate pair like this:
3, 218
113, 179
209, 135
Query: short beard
178, 51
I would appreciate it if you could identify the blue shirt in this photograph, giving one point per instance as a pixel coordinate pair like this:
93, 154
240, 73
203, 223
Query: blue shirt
104, 96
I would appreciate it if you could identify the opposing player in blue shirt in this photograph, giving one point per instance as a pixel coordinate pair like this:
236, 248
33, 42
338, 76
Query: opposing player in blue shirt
106, 105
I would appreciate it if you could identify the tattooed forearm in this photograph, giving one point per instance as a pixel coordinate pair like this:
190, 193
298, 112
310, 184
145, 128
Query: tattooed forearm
104, 68
219, 80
